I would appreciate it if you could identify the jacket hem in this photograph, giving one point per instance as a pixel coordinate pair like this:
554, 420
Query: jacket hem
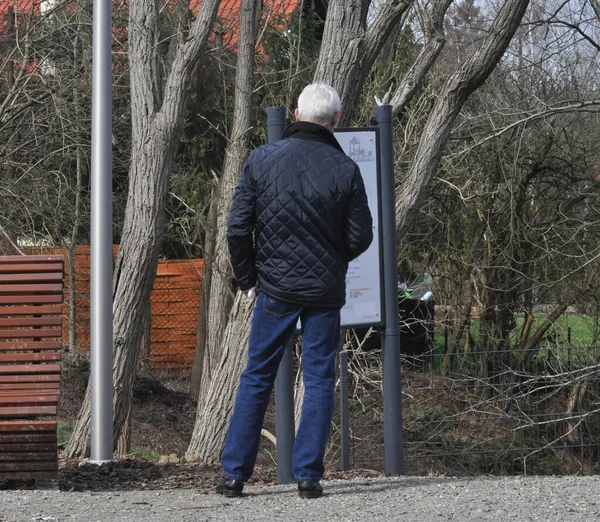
291, 297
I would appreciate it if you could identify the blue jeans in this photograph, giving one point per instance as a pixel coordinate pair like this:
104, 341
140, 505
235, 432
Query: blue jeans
273, 324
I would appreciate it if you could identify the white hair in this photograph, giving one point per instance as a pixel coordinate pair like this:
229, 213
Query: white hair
318, 103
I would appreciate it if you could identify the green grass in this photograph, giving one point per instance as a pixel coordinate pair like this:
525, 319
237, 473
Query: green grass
145, 454
64, 430
584, 331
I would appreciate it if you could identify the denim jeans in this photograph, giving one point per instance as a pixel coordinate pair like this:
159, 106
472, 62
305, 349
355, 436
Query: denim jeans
273, 324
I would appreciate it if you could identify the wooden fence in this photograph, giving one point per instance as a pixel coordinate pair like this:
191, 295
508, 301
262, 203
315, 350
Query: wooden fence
175, 302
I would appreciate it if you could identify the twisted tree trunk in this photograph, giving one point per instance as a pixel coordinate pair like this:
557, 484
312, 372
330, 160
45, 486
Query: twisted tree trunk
349, 49
226, 333
157, 116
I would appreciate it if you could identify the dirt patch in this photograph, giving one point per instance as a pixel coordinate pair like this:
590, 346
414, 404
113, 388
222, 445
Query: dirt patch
163, 410
163, 418
162, 425
139, 475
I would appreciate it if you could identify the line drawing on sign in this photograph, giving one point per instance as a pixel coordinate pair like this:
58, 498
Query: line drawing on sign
357, 153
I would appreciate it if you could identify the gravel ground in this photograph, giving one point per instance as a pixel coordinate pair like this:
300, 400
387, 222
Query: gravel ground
407, 498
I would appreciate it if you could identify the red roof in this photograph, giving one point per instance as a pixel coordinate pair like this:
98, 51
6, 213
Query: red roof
22, 9
228, 14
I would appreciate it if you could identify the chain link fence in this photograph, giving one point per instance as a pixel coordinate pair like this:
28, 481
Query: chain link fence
518, 411
175, 303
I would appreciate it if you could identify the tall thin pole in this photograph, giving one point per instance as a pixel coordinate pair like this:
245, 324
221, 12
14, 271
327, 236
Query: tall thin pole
344, 412
285, 430
101, 323
392, 403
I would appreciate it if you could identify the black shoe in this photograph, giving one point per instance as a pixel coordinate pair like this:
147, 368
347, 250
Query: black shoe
230, 488
310, 489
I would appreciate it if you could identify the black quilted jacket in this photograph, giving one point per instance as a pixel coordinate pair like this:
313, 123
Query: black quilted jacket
299, 216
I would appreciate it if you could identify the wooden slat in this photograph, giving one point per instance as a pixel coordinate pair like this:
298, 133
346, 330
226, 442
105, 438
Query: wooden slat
30, 321
29, 392
29, 357
30, 378
37, 288
31, 299
30, 310
28, 456
27, 333
31, 259
30, 345
26, 411
6, 268
29, 369
39, 437
28, 446
28, 467
43, 277
24, 386
14, 400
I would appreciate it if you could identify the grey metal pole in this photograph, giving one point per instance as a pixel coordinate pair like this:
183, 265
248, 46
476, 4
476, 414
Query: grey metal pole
392, 403
101, 315
344, 411
285, 429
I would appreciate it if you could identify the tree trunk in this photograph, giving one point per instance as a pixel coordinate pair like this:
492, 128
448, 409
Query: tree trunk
453, 348
157, 116
146, 340
349, 49
466, 80
224, 324
213, 418
299, 388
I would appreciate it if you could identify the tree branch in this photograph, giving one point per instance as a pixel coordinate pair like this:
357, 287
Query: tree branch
436, 40
466, 80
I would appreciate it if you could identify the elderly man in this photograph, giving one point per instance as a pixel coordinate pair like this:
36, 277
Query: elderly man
299, 216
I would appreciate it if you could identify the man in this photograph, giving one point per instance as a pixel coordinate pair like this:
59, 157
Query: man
299, 216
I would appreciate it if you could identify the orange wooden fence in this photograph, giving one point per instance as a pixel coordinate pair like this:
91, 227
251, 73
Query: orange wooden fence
175, 302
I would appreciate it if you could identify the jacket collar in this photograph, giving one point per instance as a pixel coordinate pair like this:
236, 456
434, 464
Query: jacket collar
306, 130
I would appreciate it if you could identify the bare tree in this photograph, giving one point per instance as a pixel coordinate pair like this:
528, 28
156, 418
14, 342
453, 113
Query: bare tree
227, 330
466, 80
157, 112
350, 48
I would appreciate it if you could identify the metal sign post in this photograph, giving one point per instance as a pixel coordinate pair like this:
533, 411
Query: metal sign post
285, 429
392, 403
101, 262
373, 150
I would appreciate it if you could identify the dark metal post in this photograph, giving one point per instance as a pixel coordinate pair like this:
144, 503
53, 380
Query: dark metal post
392, 403
285, 429
276, 123
344, 413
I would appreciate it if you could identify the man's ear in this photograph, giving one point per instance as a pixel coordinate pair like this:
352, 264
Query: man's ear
297, 114
335, 119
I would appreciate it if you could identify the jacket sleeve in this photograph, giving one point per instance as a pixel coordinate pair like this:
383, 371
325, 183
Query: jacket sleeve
240, 230
359, 223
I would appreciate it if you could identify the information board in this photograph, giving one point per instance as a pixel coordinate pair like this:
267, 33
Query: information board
364, 306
